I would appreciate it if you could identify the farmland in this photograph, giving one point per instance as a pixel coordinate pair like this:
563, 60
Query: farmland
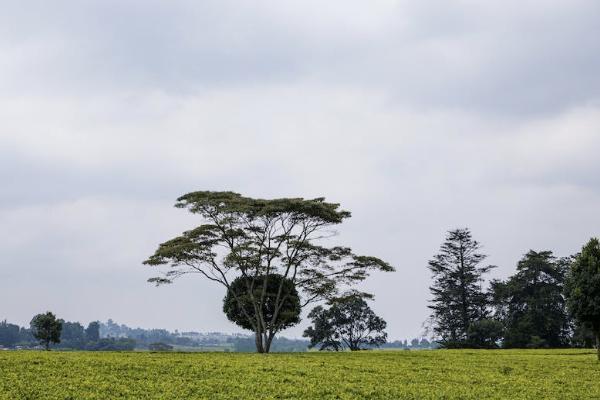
449, 374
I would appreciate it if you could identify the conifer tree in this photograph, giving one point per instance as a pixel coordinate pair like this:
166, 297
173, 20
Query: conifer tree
458, 297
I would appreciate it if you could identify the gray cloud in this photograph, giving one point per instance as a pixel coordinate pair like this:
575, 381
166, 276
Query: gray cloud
417, 116
509, 57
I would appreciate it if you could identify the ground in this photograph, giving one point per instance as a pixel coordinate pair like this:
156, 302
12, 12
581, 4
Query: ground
439, 374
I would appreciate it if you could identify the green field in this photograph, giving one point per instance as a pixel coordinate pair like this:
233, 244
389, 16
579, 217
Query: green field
442, 374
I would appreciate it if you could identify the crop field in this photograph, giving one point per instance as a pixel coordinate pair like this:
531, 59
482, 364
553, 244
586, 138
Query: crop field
442, 374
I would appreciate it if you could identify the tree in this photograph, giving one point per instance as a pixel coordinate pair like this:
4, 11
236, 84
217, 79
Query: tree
349, 322
323, 332
531, 303
46, 329
485, 334
458, 298
92, 332
72, 335
9, 334
238, 304
257, 238
582, 288
582, 336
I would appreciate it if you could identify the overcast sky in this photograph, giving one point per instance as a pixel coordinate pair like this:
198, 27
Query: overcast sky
417, 116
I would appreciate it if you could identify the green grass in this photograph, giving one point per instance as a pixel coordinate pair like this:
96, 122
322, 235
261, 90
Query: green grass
466, 374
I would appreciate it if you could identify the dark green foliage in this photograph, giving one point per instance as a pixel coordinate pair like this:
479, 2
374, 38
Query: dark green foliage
46, 329
583, 336
10, 334
531, 303
72, 335
280, 308
322, 333
279, 345
583, 288
458, 299
255, 238
111, 344
485, 334
160, 347
349, 323
92, 332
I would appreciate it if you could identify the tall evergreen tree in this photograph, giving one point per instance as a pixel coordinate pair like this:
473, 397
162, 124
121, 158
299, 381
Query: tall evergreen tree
458, 296
531, 303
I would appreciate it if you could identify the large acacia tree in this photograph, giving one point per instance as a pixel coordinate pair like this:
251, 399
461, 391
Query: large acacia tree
258, 239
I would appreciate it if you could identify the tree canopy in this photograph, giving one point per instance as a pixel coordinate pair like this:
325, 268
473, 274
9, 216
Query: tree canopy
256, 238
238, 304
46, 328
485, 334
582, 288
349, 323
531, 302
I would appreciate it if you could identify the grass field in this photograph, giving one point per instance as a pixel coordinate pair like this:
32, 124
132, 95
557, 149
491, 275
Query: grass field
498, 374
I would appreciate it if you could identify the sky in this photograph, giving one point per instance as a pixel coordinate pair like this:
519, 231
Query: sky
417, 116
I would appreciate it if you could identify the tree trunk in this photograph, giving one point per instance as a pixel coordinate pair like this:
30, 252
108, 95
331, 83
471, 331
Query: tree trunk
269, 341
259, 342
463, 295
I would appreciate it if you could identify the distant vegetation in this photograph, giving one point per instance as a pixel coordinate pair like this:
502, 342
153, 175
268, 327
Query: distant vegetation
70, 336
110, 336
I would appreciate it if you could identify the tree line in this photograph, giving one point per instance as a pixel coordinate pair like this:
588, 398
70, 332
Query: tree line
548, 302
272, 258
275, 257
46, 331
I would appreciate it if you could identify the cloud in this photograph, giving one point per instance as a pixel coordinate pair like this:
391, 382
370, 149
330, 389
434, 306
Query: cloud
500, 57
416, 116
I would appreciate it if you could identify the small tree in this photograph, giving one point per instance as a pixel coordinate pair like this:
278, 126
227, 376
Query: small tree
349, 322
458, 297
92, 332
582, 288
257, 238
46, 329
